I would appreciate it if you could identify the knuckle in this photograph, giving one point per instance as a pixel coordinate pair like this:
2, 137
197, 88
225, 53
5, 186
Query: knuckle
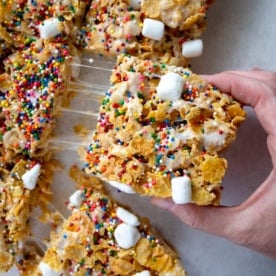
194, 219
192, 222
269, 90
189, 214
271, 82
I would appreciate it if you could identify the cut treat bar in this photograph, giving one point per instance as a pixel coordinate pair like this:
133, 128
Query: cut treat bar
103, 238
24, 184
183, 15
148, 29
33, 88
22, 22
160, 130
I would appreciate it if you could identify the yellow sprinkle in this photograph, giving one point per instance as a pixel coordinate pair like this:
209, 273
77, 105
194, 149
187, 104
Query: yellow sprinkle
4, 103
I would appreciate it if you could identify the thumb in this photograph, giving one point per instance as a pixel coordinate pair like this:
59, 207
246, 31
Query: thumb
214, 220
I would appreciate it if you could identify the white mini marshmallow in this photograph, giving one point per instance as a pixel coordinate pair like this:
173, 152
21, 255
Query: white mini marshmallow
126, 236
170, 87
75, 199
181, 189
153, 29
135, 4
46, 270
49, 28
143, 273
30, 177
122, 187
192, 48
127, 217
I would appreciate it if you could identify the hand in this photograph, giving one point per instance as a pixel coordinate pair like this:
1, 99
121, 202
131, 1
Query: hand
253, 223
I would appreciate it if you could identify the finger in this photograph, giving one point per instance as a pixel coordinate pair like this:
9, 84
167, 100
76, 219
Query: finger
261, 75
213, 220
256, 73
271, 144
242, 88
250, 91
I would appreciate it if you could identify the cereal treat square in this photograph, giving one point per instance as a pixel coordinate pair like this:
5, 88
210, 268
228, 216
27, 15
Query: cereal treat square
23, 21
103, 238
160, 130
33, 88
24, 184
148, 29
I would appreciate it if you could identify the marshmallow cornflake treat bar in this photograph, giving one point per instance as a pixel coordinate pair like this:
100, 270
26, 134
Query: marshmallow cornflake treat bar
103, 238
148, 29
22, 22
33, 88
160, 130
24, 184
55, 17
185, 15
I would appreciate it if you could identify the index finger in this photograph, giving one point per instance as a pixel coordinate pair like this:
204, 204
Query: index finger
252, 91
242, 87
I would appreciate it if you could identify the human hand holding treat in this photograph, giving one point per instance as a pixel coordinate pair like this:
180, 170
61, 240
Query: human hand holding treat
252, 223
160, 126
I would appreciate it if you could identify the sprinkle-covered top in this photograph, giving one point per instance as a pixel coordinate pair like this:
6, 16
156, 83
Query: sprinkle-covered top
21, 20
102, 238
158, 122
31, 92
155, 29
